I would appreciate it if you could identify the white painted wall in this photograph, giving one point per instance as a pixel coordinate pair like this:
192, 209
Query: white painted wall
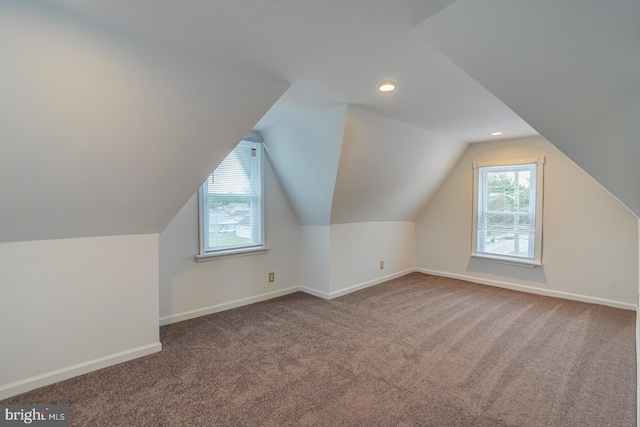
105, 133
342, 258
357, 180
590, 240
71, 306
189, 289
305, 156
315, 261
388, 169
358, 248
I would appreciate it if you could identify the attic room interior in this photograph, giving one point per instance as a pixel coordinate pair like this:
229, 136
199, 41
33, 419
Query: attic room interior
364, 284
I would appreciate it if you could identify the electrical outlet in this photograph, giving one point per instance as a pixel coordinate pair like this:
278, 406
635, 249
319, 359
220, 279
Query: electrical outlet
381, 265
272, 277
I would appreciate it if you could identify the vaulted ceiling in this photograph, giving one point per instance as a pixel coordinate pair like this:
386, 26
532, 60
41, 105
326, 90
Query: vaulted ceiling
332, 52
348, 164
570, 68
113, 112
102, 133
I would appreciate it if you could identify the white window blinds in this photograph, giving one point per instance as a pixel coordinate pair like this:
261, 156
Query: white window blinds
232, 202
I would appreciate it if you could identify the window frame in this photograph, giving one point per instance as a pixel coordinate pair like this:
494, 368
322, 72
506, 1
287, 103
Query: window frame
259, 248
536, 261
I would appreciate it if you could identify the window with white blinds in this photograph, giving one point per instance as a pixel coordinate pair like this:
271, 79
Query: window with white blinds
231, 203
508, 212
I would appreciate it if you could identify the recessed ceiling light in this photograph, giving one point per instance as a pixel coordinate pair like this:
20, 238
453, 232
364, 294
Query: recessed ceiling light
496, 133
387, 87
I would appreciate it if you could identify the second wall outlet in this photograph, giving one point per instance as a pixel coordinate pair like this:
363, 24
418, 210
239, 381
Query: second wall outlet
381, 265
272, 277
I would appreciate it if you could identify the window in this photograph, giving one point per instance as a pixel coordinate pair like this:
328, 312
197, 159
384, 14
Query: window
507, 212
231, 204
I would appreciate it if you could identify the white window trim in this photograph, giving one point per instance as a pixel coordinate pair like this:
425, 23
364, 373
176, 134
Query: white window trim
231, 253
203, 255
505, 259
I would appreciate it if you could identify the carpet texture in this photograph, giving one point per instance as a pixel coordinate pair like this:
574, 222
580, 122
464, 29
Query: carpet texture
415, 351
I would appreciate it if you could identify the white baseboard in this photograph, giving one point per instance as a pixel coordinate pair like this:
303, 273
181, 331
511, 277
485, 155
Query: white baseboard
315, 292
345, 291
373, 282
531, 289
23, 386
186, 315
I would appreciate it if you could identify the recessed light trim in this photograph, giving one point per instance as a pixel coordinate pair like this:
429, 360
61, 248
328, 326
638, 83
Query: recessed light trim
388, 86
496, 133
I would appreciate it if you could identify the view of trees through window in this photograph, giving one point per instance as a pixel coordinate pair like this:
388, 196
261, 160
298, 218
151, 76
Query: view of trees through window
506, 223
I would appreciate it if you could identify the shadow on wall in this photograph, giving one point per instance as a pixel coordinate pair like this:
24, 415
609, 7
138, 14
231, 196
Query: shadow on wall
492, 269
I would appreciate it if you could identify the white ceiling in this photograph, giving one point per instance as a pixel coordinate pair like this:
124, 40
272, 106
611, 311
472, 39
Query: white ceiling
102, 134
570, 68
113, 112
347, 164
376, 183
331, 52
305, 155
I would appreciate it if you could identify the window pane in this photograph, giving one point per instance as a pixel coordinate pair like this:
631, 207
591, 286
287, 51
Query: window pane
508, 191
508, 220
506, 211
229, 221
232, 201
509, 243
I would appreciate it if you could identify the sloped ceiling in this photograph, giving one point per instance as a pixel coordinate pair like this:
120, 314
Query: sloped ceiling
102, 133
332, 52
305, 154
570, 69
106, 128
388, 169
348, 164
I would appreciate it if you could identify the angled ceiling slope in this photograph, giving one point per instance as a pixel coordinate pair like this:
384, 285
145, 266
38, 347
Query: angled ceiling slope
332, 52
103, 133
388, 169
570, 69
305, 155
349, 165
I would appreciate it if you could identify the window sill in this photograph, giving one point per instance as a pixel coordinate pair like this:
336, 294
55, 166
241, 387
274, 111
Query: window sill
507, 260
231, 253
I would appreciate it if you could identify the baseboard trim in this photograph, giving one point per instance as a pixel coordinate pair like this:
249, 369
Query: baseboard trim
354, 288
192, 314
531, 289
315, 292
350, 289
23, 386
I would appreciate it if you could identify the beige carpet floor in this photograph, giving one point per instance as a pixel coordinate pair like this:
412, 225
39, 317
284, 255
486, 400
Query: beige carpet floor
416, 351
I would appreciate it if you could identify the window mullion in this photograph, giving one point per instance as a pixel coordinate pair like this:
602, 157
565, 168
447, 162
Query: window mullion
501, 222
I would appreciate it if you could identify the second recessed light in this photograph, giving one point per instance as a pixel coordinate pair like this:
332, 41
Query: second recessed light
387, 87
